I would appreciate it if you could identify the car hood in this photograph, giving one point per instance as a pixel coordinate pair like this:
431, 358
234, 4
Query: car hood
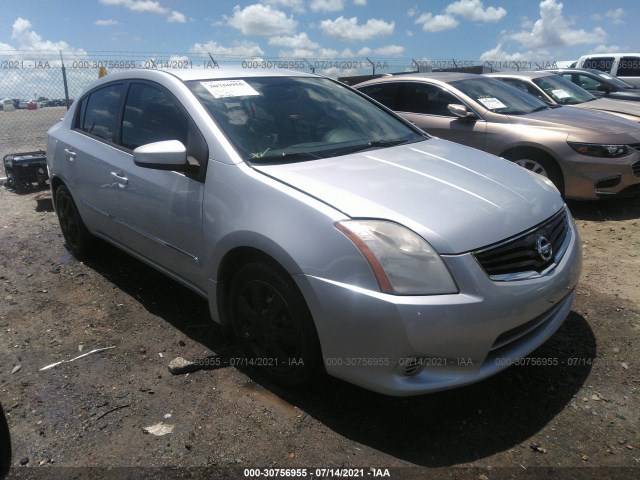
598, 126
612, 105
457, 198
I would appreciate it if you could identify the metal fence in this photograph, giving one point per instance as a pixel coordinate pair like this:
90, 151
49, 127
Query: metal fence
36, 87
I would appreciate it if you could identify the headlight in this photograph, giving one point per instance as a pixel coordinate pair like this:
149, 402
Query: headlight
402, 261
597, 150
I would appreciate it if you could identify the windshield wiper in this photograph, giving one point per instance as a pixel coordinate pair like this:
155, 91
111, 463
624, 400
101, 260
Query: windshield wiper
286, 157
379, 144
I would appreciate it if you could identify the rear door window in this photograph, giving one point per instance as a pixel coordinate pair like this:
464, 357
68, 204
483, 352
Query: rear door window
99, 112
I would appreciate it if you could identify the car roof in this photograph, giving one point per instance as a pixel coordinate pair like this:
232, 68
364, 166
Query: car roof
593, 71
526, 74
445, 77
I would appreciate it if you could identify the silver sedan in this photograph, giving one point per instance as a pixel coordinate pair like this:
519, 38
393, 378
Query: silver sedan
328, 232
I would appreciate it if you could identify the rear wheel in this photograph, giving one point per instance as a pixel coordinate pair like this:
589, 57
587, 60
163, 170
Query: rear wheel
539, 163
273, 325
76, 235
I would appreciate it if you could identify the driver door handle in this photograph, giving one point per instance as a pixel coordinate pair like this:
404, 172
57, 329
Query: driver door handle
120, 176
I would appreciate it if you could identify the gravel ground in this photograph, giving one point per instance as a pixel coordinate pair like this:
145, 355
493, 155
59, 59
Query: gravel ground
87, 418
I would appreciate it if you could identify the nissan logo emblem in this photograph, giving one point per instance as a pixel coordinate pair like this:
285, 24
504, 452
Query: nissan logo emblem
544, 248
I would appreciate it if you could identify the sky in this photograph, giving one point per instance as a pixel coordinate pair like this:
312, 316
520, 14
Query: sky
382, 30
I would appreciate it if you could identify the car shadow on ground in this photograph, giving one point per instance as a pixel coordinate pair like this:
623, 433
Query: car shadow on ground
615, 209
437, 430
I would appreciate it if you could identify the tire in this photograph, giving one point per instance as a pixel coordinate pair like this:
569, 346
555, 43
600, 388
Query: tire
76, 236
541, 164
273, 325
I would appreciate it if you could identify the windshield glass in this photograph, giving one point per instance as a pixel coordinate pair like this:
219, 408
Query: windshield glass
563, 91
276, 119
498, 96
613, 80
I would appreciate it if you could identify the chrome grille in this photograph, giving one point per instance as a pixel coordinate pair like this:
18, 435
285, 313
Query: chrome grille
519, 254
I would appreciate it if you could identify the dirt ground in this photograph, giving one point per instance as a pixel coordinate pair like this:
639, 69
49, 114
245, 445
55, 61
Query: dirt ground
85, 419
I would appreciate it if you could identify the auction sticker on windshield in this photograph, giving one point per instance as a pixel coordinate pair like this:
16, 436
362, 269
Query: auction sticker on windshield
559, 93
492, 103
229, 88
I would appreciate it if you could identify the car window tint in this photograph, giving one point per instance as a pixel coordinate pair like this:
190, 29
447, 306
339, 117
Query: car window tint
100, 115
386, 94
599, 63
150, 115
429, 99
525, 87
586, 82
629, 67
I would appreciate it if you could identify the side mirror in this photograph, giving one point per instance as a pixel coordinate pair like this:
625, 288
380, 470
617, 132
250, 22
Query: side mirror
604, 88
461, 111
166, 155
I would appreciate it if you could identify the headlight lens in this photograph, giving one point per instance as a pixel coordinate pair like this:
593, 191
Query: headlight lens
599, 150
402, 261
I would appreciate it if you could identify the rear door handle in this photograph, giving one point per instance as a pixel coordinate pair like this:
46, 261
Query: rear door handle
120, 176
71, 153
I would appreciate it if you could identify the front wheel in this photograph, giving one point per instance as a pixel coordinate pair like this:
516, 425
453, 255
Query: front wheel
75, 233
541, 164
273, 325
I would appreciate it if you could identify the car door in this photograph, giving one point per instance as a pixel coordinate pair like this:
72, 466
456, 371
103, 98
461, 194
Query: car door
91, 156
426, 105
160, 212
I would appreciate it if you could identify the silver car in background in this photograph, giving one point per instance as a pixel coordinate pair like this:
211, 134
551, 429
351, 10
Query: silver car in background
327, 231
586, 154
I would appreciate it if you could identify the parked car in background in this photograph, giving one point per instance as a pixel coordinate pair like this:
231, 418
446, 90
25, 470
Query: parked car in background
625, 66
600, 84
585, 153
322, 227
555, 90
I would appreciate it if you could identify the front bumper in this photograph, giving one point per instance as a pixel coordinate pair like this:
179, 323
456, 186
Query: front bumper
370, 339
592, 177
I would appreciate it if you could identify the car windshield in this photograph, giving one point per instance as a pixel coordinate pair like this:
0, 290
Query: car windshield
283, 119
563, 91
498, 96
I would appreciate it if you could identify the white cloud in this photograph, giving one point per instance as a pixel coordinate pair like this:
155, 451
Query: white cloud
298, 53
138, 5
106, 23
616, 15
360, 3
553, 30
147, 6
390, 50
176, 17
27, 39
261, 19
412, 12
409, 33
607, 49
239, 49
301, 40
295, 5
348, 29
498, 53
436, 23
327, 5
475, 11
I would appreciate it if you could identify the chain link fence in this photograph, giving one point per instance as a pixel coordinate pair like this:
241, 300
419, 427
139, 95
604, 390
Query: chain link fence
36, 87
